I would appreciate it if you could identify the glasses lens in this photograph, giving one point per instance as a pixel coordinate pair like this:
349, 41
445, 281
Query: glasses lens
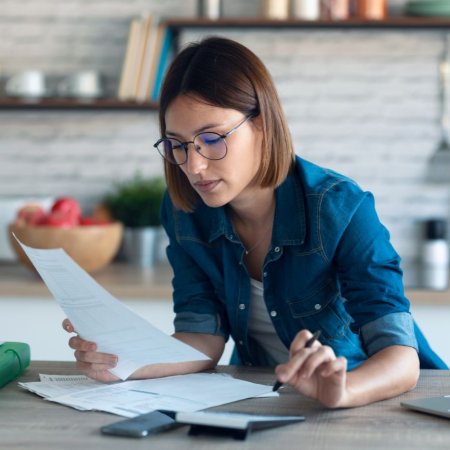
172, 150
210, 145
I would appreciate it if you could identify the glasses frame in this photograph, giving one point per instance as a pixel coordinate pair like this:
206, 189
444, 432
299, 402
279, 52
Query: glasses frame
185, 145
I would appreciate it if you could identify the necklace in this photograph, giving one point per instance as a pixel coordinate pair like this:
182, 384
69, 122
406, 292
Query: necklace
258, 243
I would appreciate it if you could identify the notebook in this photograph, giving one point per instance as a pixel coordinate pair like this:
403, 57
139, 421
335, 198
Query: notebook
439, 406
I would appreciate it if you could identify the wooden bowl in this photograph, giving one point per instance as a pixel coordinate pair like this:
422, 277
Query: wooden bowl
92, 246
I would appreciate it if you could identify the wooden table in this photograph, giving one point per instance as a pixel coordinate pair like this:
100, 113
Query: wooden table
29, 422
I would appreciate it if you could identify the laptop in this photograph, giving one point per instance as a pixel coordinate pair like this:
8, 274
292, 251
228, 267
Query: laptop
438, 406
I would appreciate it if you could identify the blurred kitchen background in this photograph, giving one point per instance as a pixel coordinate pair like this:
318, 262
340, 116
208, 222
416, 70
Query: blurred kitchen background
363, 102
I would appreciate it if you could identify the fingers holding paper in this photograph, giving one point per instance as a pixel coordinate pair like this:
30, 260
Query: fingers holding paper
315, 371
67, 325
94, 364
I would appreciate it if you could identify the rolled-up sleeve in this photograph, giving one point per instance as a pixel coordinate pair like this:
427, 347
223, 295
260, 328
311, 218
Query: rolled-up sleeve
391, 329
191, 322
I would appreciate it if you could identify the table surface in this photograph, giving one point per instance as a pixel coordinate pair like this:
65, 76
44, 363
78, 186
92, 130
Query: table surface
29, 422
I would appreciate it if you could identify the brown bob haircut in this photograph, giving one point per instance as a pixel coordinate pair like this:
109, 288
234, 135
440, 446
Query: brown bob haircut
224, 73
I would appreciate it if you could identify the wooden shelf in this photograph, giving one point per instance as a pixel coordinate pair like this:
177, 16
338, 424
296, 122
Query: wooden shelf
106, 104
407, 22
177, 25
391, 23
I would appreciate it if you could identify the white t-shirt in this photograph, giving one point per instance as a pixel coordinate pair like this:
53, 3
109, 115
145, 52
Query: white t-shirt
260, 325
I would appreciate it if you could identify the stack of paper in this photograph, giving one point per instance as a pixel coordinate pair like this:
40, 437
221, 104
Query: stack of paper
191, 392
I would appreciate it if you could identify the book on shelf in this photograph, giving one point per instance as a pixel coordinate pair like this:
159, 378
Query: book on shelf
127, 78
146, 59
143, 48
164, 59
150, 60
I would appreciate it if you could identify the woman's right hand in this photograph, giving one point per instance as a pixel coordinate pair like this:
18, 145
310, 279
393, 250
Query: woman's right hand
93, 364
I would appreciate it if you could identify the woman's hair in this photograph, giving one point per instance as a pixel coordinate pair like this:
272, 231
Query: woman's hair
226, 74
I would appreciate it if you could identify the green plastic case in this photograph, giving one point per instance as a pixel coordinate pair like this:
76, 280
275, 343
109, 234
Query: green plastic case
14, 359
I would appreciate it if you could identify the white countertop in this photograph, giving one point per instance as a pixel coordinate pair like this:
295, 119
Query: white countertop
125, 281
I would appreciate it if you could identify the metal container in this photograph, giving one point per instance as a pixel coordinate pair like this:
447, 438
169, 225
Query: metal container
210, 9
139, 246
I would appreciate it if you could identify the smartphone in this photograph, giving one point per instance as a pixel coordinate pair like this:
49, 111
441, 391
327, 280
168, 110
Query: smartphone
142, 425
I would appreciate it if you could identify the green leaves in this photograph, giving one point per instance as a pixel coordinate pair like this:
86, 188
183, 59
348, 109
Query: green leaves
136, 203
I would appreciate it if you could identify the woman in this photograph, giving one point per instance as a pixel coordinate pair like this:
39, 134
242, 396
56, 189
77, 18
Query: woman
268, 248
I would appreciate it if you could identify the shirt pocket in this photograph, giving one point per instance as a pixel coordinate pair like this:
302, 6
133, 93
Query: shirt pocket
322, 308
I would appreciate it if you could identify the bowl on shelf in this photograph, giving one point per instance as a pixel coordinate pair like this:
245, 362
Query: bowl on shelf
92, 247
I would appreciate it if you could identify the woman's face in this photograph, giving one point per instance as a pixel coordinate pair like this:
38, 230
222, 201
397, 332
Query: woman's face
228, 180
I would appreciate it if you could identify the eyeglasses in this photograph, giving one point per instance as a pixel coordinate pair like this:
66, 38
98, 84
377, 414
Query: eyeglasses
208, 144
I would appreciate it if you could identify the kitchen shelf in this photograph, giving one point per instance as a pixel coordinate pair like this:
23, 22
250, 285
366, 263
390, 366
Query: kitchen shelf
106, 104
390, 23
407, 22
177, 25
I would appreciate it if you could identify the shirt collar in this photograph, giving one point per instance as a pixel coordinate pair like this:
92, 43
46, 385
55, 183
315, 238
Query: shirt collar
289, 223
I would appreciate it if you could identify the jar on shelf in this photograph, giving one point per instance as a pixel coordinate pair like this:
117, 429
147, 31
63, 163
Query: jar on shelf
335, 9
306, 9
371, 9
210, 9
276, 9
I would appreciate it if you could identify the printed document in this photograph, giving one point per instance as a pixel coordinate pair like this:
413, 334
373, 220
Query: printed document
99, 317
190, 392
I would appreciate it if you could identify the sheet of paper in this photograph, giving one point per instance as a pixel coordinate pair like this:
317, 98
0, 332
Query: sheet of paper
190, 392
54, 385
99, 317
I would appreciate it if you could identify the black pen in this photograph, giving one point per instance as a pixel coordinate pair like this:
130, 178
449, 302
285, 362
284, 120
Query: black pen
309, 342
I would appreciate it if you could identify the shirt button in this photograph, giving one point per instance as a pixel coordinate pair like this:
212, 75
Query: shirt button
277, 249
317, 306
241, 306
248, 363
230, 236
273, 313
265, 274
241, 343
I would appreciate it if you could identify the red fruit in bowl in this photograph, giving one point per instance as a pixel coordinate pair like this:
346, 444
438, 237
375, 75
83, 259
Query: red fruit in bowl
67, 206
30, 214
60, 220
86, 221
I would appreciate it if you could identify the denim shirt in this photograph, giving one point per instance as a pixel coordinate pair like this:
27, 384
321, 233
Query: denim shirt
330, 266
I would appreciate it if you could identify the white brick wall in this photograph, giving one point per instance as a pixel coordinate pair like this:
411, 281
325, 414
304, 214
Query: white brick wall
363, 103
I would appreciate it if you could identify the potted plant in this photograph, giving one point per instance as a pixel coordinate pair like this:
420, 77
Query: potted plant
136, 203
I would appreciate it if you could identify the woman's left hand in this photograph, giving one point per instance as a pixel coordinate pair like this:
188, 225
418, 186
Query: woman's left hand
315, 372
